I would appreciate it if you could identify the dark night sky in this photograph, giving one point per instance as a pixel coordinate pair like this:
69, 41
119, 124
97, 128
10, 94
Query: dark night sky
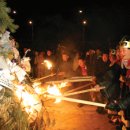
106, 19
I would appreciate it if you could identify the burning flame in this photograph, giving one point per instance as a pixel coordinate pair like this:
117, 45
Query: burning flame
39, 90
63, 84
48, 63
54, 90
28, 100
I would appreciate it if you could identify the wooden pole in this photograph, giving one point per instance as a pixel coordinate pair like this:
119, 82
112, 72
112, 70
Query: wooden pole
82, 77
77, 88
71, 80
84, 91
77, 100
43, 77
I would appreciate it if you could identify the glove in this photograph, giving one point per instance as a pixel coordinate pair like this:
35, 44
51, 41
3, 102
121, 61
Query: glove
113, 106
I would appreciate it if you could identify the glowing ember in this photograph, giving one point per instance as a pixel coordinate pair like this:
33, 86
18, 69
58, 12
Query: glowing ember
63, 84
54, 90
48, 64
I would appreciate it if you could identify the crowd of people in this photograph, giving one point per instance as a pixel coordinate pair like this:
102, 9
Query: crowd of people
111, 70
68, 64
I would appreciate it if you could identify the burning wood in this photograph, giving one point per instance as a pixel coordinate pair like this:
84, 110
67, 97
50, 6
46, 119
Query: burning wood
54, 90
29, 101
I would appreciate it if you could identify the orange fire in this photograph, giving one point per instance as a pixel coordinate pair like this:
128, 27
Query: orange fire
54, 90
48, 64
29, 101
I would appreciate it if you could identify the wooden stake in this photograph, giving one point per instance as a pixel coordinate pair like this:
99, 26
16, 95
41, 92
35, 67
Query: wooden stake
77, 100
84, 91
71, 80
43, 77
77, 88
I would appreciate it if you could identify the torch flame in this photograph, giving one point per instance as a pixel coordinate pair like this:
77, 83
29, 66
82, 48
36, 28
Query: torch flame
48, 63
54, 90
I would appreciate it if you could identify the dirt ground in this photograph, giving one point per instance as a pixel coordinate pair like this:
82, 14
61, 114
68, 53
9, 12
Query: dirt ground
68, 116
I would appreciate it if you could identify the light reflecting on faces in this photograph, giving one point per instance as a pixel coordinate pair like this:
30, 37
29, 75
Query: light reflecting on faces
122, 52
81, 62
65, 57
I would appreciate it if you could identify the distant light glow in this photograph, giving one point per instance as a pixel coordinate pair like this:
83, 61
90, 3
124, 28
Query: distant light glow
80, 11
84, 22
30, 22
14, 12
